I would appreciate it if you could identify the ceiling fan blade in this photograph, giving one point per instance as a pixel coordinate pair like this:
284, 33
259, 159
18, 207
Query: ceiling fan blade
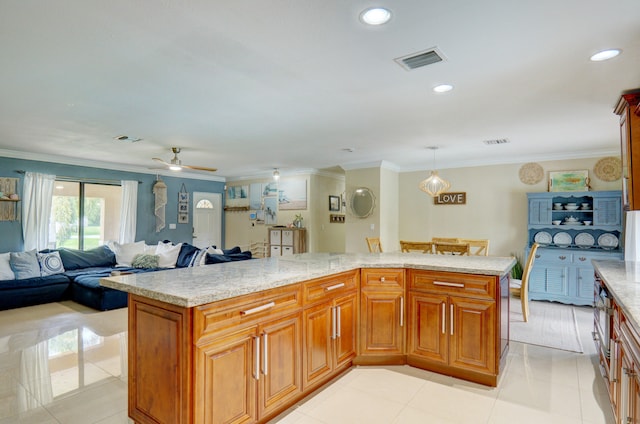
200, 168
161, 161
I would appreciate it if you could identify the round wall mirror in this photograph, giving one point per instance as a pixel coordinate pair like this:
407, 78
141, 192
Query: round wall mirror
362, 202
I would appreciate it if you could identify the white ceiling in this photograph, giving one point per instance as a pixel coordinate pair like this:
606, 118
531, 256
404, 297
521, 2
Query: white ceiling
250, 85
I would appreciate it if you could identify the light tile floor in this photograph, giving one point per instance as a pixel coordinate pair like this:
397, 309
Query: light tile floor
64, 363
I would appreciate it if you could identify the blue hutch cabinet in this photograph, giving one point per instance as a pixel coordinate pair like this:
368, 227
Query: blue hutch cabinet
572, 229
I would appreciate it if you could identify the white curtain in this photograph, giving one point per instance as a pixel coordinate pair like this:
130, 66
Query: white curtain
128, 212
36, 209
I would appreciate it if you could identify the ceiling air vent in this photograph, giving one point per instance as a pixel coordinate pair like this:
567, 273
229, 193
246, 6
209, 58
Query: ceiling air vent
496, 141
418, 60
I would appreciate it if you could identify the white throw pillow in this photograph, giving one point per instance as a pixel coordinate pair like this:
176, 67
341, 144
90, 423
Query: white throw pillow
126, 252
168, 254
6, 273
211, 250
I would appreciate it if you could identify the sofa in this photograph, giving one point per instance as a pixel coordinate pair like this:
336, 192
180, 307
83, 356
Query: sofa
31, 278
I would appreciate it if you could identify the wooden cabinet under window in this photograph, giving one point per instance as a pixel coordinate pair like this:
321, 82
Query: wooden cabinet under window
628, 108
287, 241
382, 316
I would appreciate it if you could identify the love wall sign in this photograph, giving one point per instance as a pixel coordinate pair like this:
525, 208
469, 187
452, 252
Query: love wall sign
451, 199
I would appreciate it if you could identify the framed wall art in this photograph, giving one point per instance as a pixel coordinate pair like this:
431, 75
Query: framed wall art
569, 180
334, 203
183, 205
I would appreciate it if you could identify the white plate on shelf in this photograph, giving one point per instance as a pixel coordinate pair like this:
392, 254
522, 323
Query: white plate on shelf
608, 241
584, 240
542, 237
562, 239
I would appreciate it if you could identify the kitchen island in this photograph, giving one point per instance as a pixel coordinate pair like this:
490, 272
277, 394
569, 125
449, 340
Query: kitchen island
241, 342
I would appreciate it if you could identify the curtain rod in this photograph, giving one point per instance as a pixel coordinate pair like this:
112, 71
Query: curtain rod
83, 180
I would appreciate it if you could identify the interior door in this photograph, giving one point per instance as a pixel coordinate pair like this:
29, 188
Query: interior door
207, 219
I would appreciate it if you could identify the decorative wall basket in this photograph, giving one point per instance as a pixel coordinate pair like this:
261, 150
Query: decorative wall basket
531, 173
608, 169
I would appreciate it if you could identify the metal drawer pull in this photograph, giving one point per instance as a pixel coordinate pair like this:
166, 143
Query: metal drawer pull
265, 347
256, 349
443, 283
338, 314
401, 311
444, 318
451, 312
258, 308
335, 286
582, 258
562, 257
382, 279
333, 323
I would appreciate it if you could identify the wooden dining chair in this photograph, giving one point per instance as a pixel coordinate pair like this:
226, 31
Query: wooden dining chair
445, 240
520, 288
374, 244
416, 246
451, 248
479, 247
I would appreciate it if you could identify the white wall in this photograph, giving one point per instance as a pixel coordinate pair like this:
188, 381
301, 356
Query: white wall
357, 229
496, 206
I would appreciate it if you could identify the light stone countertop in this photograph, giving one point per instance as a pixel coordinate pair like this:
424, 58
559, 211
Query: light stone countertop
623, 280
189, 287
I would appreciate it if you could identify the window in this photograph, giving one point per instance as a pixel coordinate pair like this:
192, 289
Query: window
204, 204
84, 215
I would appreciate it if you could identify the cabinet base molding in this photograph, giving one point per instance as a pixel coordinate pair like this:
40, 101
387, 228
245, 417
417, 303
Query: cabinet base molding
380, 360
464, 374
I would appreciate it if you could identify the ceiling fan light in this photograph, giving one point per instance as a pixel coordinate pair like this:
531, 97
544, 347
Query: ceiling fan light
175, 167
434, 185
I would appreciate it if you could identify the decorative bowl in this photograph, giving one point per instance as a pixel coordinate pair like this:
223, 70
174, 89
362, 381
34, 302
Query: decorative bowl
571, 207
571, 219
586, 222
556, 222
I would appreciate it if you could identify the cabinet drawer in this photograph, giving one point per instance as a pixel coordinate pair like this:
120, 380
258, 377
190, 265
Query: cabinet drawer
478, 286
385, 279
287, 237
276, 251
231, 314
287, 250
275, 236
324, 289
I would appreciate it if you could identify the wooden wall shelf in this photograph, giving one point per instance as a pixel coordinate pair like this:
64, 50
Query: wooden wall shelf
236, 208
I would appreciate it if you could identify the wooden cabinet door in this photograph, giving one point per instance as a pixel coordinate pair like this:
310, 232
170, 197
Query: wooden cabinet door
226, 382
472, 328
280, 367
381, 322
428, 326
317, 361
539, 211
345, 314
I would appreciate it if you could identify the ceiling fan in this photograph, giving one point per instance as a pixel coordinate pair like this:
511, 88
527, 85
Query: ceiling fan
176, 164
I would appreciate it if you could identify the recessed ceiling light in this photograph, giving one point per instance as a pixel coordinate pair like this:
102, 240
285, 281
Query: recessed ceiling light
375, 16
443, 88
605, 55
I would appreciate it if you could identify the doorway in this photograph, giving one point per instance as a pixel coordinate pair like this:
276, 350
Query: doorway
207, 219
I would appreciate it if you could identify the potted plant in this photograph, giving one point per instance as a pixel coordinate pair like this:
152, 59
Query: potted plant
297, 222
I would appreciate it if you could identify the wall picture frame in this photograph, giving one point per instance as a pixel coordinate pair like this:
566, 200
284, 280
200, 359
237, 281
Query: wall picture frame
569, 180
334, 203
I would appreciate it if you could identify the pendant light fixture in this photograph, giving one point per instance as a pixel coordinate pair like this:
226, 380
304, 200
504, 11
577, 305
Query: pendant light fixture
276, 174
434, 185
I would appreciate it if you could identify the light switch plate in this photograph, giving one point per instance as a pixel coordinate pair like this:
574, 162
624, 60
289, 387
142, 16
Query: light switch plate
172, 226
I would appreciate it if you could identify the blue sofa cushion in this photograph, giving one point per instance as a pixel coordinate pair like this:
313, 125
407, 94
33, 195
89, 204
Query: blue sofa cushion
187, 255
232, 251
101, 256
213, 258
34, 282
